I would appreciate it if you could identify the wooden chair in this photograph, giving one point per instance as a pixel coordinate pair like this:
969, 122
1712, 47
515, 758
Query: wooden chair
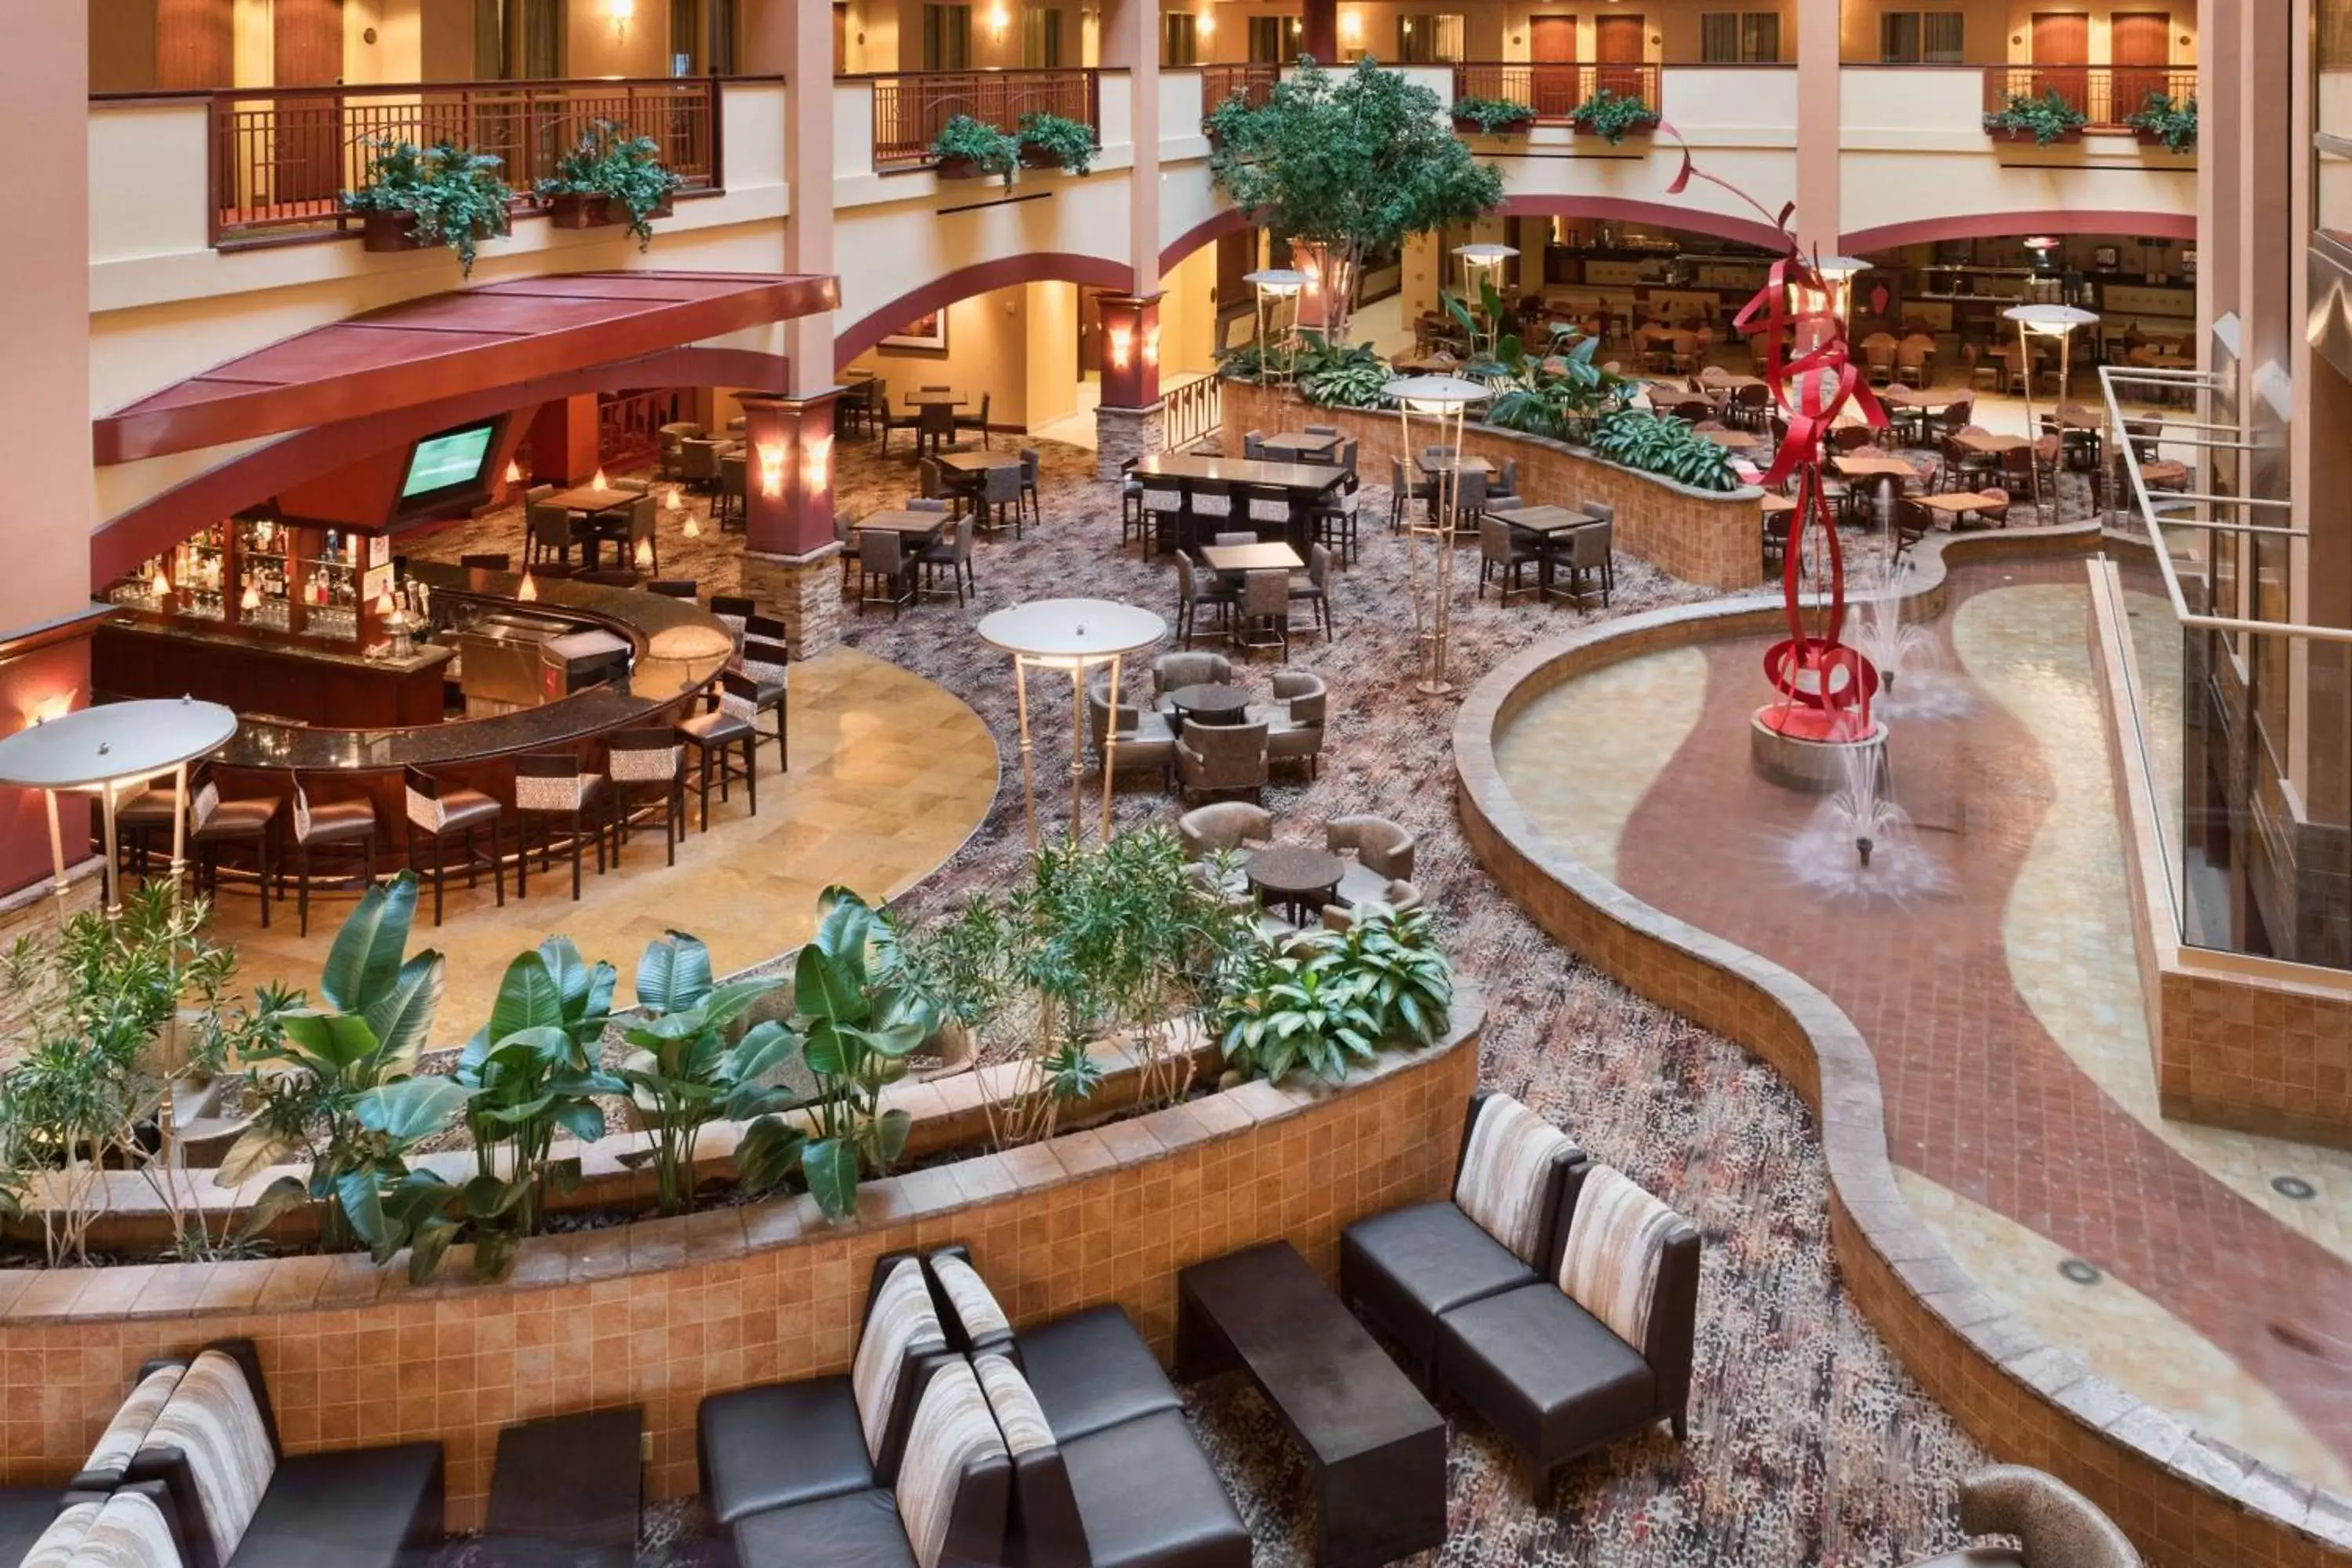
441, 815
976, 422
881, 563
336, 827
551, 786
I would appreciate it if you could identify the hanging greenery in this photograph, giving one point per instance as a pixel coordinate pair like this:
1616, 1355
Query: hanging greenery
450, 195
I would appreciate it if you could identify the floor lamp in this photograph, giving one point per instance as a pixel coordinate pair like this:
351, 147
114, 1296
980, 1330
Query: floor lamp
1074, 635
1482, 264
2047, 322
1275, 286
1433, 407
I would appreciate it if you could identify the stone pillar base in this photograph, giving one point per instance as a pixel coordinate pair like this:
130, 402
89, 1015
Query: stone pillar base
805, 592
1124, 433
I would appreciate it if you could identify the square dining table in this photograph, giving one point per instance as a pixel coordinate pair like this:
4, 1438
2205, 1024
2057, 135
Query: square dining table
1548, 525
917, 531
1299, 443
1267, 555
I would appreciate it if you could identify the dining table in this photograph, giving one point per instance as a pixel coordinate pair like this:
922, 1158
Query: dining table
1732, 440
1300, 443
1547, 525
969, 470
1209, 702
1300, 485
1267, 555
917, 531
1952, 505
922, 397
603, 507
1988, 443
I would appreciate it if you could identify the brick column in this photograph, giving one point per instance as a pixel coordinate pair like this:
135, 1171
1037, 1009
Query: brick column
1128, 424
788, 548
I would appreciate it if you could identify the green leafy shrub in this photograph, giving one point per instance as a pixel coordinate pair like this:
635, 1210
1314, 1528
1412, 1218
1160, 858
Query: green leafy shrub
452, 196
626, 170
1612, 116
2047, 118
1326, 1001
1492, 116
987, 148
1065, 142
2170, 120
1560, 394
1346, 375
1667, 447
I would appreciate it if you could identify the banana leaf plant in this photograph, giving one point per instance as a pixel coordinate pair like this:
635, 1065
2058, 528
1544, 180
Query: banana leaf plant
532, 1070
683, 1072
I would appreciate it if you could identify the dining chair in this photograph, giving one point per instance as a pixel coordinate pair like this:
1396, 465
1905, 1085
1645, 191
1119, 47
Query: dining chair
1312, 588
1504, 552
1403, 492
1253, 445
549, 533
976, 422
672, 587
713, 738
953, 553
733, 610
732, 507
1032, 466
910, 421
1197, 589
698, 462
1162, 505
335, 827
1589, 548
644, 766
1263, 615
1130, 502
935, 426
881, 563
1000, 488
1266, 507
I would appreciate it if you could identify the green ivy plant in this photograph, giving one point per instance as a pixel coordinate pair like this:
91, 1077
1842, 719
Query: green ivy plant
1492, 116
682, 1072
626, 170
532, 1070
2170, 120
1059, 140
1669, 448
2047, 118
1326, 1002
989, 149
1612, 116
452, 196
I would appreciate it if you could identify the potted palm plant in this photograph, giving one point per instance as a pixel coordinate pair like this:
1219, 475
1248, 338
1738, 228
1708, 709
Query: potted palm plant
441, 194
969, 149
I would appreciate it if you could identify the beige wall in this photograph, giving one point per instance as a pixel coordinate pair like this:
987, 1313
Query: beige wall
988, 351
1188, 314
1493, 29
1050, 375
2002, 30
591, 49
893, 33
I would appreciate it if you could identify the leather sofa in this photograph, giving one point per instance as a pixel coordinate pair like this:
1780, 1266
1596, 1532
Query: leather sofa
352, 1508
1106, 1470
2055, 1525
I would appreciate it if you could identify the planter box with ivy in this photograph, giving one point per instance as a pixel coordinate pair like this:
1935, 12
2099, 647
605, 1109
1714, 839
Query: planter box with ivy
610, 177
418, 197
969, 149
2048, 120
2167, 122
1474, 116
1613, 116
1056, 141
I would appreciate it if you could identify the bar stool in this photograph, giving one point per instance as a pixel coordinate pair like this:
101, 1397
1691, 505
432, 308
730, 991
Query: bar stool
733, 611
335, 827
552, 784
137, 820
442, 812
711, 735
644, 765
215, 824
766, 684
672, 587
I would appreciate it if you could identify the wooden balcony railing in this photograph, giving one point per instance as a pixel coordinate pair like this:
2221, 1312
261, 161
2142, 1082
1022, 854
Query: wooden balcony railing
2109, 95
280, 157
1253, 83
911, 107
1190, 410
1554, 88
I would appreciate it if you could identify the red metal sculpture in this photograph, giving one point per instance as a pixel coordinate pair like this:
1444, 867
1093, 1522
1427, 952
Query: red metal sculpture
1826, 687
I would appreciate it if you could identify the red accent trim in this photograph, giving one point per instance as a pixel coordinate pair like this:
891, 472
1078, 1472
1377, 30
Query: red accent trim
444, 345
1994, 226
1036, 266
1666, 215
157, 524
1232, 220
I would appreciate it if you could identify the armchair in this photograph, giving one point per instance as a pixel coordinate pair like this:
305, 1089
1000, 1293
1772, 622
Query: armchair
1220, 757
1295, 721
1384, 854
2057, 1526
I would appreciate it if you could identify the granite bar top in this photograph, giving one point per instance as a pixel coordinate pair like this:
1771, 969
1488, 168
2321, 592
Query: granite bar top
215, 635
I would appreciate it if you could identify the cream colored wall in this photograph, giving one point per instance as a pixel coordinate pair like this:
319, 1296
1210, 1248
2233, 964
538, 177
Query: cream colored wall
254, 47
988, 352
1050, 376
894, 34
398, 54
1188, 314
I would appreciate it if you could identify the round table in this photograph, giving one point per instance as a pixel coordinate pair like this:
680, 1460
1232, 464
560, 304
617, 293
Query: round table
1075, 635
1211, 702
1299, 877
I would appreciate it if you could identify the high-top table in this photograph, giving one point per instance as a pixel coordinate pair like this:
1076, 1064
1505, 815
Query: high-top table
1300, 485
1375, 1446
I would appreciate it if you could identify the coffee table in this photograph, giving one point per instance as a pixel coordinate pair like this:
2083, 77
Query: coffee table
565, 1493
1299, 877
1209, 702
1375, 1446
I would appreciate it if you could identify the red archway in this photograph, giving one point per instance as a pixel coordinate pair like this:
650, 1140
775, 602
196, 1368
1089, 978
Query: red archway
1208, 231
1996, 225
1033, 267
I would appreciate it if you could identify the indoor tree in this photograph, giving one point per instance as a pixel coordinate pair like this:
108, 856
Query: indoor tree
1346, 164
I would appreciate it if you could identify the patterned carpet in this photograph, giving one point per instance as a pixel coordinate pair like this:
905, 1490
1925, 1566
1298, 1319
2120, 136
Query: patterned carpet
1809, 1444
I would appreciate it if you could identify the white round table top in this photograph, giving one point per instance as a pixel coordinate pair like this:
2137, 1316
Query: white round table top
1486, 252
2056, 316
1277, 280
122, 741
1075, 631
1432, 391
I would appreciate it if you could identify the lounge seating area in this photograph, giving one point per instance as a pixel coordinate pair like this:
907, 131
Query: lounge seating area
1365, 863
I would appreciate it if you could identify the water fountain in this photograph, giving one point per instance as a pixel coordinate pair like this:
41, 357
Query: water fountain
1860, 843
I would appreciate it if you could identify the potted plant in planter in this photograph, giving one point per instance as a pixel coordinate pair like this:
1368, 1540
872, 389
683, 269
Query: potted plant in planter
2167, 122
610, 177
1613, 116
2048, 119
1475, 116
967, 149
1055, 141
442, 194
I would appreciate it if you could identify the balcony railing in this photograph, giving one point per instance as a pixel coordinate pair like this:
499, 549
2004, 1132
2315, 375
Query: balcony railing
911, 107
1253, 83
1554, 89
2109, 95
281, 157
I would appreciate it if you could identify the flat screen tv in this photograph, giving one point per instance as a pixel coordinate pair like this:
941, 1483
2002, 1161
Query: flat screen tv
448, 468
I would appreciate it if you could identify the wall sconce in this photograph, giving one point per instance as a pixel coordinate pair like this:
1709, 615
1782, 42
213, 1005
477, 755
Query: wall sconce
771, 471
56, 705
1151, 346
1351, 26
998, 20
620, 13
817, 464
1122, 342
1205, 23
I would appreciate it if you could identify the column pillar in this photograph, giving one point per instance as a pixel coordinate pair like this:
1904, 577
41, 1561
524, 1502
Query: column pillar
1131, 42
45, 595
1318, 31
788, 539
1129, 423
563, 441
1820, 124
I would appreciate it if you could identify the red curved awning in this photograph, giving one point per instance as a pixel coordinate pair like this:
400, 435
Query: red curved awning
421, 350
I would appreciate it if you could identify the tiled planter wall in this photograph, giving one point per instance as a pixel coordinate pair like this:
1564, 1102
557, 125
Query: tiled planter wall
664, 1311
1715, 540
2184, 1498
